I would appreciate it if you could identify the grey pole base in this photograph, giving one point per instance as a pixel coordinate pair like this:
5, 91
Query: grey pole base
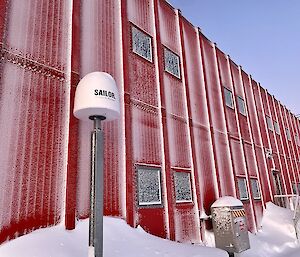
96, 190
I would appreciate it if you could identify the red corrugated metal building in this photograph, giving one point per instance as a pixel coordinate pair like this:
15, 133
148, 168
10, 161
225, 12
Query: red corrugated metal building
194, 125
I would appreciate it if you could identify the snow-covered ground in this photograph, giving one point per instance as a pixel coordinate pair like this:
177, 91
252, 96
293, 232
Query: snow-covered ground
277, 238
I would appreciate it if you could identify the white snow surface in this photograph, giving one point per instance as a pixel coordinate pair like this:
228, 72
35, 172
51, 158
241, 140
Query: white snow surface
276, 239
227, 201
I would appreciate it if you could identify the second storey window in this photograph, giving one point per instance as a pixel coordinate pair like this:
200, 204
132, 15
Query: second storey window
183, 189
172, 63
149, 186
276, 126
269, 123
141, 44
288, 134
241, 105
228, 97
297, 140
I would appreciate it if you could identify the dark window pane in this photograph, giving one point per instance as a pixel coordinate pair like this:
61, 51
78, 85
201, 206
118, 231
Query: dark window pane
255, 189
241, 106
228, 97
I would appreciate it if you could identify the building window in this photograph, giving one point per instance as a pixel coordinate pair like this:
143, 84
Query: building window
294, 186
228, 97
276, 126
242, 185
288, 134
297, 140
183, 189
269, 123
255, 189
241, 105
172, 63
141, 44
149, 186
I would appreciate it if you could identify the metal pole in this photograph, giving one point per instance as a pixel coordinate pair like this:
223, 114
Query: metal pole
96, 190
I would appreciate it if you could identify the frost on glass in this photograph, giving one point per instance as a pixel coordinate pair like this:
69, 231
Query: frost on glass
141, 44
228, 97
288, 134
276, 126
269, 123
149, 186
172, 63
243, 188
255, 189
294, 186
241, 105
183, 190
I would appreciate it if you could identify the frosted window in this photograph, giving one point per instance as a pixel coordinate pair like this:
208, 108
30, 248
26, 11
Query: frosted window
141, 44
276, 126
288, 134
149, 186
294, 188
172, 64
183, 190
241, 105
255, 189
297, 139
228, 97
269, 123
242, 185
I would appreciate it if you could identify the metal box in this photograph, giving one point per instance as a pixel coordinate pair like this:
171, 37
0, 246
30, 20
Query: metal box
229, 225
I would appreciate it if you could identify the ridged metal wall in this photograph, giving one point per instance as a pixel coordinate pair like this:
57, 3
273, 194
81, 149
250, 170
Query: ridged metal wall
33, 114
168, 123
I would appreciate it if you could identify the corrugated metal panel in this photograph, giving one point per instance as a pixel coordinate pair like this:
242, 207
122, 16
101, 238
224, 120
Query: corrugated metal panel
33, 115
225, 80
101, 51
206, 184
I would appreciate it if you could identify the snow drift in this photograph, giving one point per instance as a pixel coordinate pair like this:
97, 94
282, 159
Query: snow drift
276, 239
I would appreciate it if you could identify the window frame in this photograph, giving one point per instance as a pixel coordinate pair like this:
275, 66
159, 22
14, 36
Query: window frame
258, 189
297, 139
269, 122
277, 131
151, 169
288, 134
294, 188
227, 90
133, 26
166, 49
239, 99
190, 187
245, 184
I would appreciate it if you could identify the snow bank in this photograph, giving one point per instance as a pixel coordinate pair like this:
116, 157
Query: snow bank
277, 236
276, 239
120, 240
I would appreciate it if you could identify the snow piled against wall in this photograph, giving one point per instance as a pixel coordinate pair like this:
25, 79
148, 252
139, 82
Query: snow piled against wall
276, 239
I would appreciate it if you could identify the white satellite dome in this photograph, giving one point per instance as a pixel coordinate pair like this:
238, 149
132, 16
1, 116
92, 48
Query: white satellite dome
97, 95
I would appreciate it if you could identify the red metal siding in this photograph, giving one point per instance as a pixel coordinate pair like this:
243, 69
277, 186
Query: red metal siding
33, 112
173, 124
239, 92
104, 54
217, 119
199, 120
176, 127
225, 80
